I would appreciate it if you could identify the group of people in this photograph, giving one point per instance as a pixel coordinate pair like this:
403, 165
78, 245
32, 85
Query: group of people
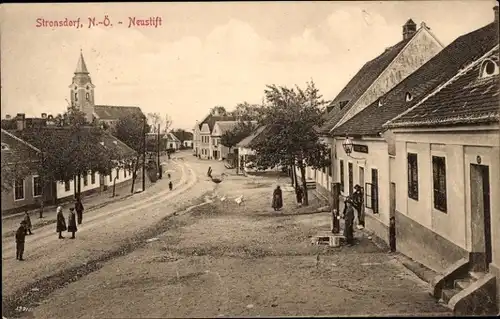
75, 217
354, 201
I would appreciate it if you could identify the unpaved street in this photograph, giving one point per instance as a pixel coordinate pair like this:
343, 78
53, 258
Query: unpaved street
225, 259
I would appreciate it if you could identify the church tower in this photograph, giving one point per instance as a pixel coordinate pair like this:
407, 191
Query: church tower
82, 90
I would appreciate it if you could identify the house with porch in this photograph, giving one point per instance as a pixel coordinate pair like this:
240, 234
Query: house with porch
373, 80
447, 170
371, 162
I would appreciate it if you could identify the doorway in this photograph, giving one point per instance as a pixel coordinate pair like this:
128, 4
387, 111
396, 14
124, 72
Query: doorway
351, 178
361, 176
480, 216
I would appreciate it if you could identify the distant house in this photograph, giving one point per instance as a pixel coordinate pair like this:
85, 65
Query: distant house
202, 142
25, 138
19, 167
185, 137
247, 155
110, 114
219, 151
172, 142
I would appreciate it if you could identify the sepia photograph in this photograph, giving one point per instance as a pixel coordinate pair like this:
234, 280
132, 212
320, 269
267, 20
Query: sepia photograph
250, 159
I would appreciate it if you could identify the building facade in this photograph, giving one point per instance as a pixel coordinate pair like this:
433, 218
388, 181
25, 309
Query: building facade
373, 80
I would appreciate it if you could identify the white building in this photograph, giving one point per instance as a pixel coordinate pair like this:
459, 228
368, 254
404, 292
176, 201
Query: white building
373, 80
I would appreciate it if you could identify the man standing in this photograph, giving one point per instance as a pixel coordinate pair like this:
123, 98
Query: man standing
357, 199
20, 238
79, 210
27, 221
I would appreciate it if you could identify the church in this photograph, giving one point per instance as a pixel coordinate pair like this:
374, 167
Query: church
83, 99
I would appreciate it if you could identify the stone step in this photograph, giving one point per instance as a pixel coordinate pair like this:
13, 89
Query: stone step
476, 274
448, 293
463, 283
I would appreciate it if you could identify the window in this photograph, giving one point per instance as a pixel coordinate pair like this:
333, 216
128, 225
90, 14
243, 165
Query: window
37, 186
92, 178
341, 175
5, 147
412, 176
87, 96
372, 192
350, 172
85, 180
19, 189
76, 96
408, 97
439, 182
67, 186
489, 68
88, 88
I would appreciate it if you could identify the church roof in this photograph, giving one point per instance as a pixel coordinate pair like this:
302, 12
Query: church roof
81, 67
113, 112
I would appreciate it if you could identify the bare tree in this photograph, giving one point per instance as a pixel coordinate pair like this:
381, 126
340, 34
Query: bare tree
154, 119
167, 123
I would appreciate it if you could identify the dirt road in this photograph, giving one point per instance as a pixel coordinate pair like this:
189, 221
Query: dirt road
224, 259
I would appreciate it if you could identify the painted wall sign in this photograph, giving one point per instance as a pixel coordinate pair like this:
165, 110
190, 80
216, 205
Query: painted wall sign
360, 148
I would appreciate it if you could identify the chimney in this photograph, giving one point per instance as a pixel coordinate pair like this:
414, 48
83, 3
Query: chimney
21, 121
7, 117
409, 29
495, 9
44, 116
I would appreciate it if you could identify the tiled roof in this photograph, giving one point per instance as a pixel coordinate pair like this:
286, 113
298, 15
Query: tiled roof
211, 119
112, 112
183, 135
43, 137
360, 83
226, 126
15, 148
466, 99
247, 141
460, 53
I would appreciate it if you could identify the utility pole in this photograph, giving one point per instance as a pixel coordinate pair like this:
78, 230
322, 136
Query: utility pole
159, 166
144, 155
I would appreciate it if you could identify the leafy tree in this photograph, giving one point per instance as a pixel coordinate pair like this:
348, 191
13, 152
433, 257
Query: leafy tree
290, 116
232, 137
247, 112
218, 110
130, 129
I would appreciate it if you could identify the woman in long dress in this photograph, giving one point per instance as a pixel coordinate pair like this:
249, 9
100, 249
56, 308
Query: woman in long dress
61, 222
277, 199
72, 223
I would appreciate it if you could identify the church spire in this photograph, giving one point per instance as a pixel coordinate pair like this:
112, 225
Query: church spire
81, 67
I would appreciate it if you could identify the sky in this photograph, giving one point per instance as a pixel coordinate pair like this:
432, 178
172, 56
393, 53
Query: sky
205, 54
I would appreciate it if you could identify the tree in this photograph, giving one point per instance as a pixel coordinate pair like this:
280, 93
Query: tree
14, 167
247, 112
130, 129
232, 137
154, 119
219, 110
166, 124
290, 116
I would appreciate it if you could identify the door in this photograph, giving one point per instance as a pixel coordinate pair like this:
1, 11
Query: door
351, 178
374, 190
361, 176
481, 215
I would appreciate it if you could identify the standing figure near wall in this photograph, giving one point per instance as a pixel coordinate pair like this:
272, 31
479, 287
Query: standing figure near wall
357, 201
